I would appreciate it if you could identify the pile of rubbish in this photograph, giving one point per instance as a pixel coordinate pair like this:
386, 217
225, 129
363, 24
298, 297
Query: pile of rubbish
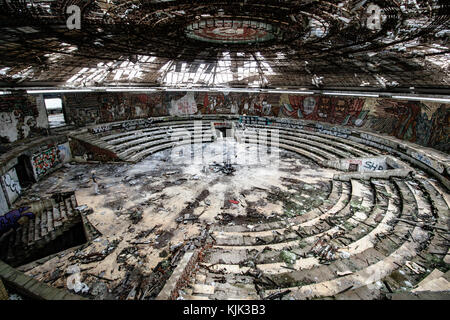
74, 280
324, 249
227, 168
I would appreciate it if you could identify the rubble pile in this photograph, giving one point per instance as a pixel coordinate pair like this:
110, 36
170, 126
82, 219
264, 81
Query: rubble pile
226, 168
324, 249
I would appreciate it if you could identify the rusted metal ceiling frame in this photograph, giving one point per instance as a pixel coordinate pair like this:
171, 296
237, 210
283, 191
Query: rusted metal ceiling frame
377, 47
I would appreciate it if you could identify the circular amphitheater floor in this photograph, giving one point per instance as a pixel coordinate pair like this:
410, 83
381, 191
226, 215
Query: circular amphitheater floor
280, 226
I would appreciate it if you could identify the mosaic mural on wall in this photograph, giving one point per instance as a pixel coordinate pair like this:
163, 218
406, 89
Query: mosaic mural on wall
93, 108
186, 105
334, 110
426, 124
423, 123
82, 109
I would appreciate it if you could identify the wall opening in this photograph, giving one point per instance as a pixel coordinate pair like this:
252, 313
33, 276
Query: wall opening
223, 130
25, 171
55, 112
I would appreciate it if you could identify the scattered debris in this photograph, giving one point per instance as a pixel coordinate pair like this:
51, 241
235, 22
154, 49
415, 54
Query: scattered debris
343, 273
226, 168
146, 233
127, 253
277, 295
94, 256
135, 215
324, 248
162, 238
415, 267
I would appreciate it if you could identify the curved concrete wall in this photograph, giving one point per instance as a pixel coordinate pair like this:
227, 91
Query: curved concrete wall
432, 161
423, 123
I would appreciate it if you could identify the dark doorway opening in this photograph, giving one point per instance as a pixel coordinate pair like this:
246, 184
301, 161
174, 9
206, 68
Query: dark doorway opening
25, 171
222, 131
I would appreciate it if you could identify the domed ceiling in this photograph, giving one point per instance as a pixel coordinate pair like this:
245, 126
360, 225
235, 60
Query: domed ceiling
277, 44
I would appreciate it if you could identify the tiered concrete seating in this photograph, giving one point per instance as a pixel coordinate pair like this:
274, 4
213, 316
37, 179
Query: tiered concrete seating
137, 144
370, 248
310, 141
355, 148
374, 233
52, 219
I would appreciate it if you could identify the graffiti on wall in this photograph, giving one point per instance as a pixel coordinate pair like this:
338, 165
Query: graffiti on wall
64, 152
21, 117
44, 161
12, 185
359, 164
3, 203
101, 128
372, 141
374, 165
255, 120
333, 131
138, 123
429, 162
